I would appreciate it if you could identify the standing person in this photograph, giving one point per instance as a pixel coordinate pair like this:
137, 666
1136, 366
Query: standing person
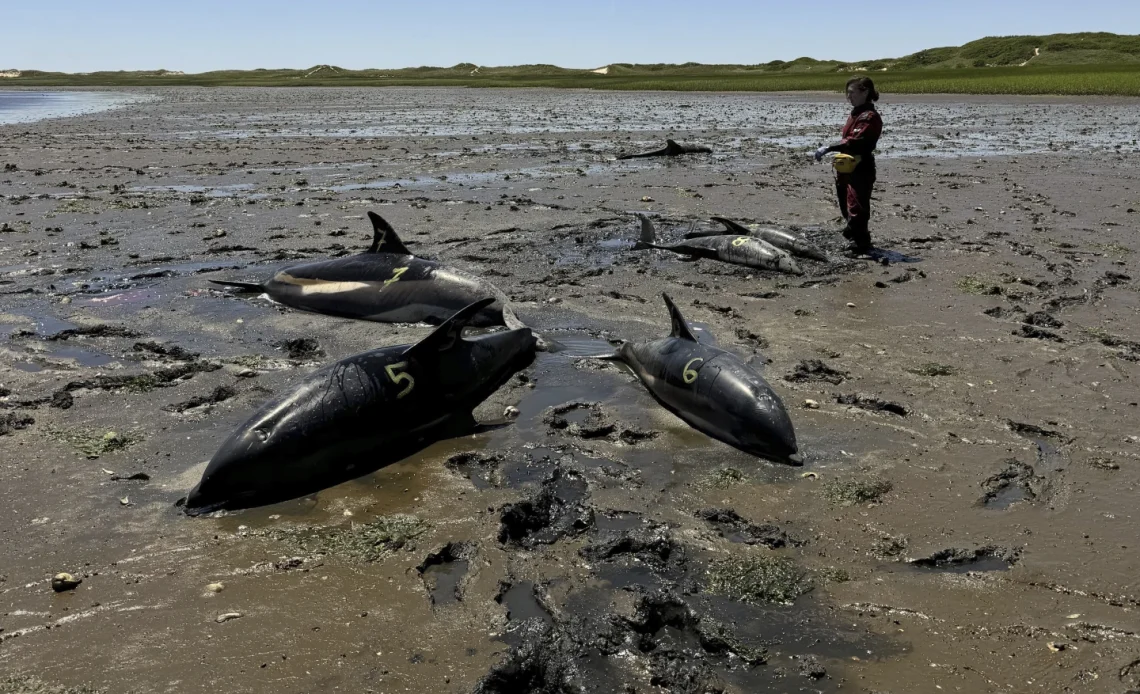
855, 161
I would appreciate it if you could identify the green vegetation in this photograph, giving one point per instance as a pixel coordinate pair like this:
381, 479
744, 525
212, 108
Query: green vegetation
972, 284
1084, 64
366, 542
723, 478
93, 443
27, 684
857, 491
759, 579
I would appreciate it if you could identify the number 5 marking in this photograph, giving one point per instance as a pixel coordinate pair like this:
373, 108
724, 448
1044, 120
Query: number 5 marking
740, 241
688, 374
400, 377
395, 276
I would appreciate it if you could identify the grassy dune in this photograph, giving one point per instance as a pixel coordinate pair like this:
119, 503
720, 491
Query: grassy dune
1068, 64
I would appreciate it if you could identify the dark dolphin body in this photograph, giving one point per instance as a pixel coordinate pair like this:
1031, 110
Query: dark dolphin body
361, 413
671, 149
386, 284
777, 237
713, 391
739, 250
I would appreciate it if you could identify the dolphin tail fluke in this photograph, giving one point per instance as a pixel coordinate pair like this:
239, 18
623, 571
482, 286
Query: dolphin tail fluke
384, 238
449, 332
648, 234
733, 227
244, 286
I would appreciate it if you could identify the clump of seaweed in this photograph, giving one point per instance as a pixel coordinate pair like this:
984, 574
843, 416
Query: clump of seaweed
856, 491
363, 542
934, 369
723, 478
759, 579
92, 443
27, 684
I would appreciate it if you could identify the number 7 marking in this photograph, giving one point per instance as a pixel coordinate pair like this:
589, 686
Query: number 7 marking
395, 276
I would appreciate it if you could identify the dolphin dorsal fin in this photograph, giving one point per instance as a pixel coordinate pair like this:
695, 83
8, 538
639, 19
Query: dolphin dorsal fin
672, 146
648, 233
732, 226
680, 327
384, 239
448, 333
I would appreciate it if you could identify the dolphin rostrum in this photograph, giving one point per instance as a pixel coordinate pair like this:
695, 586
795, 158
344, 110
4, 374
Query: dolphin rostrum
386, 284
739, 250
713, 391
671, 149
777, 237
361, 413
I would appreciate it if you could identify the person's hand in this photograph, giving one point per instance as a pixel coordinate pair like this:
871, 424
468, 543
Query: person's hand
820, 152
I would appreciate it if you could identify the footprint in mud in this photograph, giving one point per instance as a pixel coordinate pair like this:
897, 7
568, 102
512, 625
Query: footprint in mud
587, 420
302, 348
522, 602
814, 370
555, 512
733, 528
872, 403
444, 571
1017, 482
205, 402
958, 560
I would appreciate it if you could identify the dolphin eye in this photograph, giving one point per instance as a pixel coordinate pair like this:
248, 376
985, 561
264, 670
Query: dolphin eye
262, 435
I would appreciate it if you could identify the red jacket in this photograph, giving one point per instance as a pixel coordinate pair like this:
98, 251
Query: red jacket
861, 133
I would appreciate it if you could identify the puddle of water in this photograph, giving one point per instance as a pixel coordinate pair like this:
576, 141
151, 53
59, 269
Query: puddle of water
522, 604
30, 106
1007, 496
121, 298
220, 191
50, 325
443, 580
27, 366
618, 521
84, 357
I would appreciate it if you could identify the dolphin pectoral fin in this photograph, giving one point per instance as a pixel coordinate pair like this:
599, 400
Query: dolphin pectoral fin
680, 327
449, 332
384, 238
732, 226
245, 286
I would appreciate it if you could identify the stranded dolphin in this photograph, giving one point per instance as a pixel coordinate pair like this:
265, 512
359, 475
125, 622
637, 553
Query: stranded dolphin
713, 391
777, 237
386, 284
739, 250
671, 149
361, 413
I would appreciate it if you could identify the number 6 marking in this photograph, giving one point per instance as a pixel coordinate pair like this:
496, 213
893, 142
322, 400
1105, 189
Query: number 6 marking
400, 377
688, 374
395, 276
740, 241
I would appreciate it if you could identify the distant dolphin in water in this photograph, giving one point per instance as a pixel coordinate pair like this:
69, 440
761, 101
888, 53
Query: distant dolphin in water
671, 149
777, 237
713, 391
386, 284
739, 250
361, 413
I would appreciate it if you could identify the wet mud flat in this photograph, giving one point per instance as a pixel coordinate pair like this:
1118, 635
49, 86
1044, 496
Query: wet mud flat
964, 520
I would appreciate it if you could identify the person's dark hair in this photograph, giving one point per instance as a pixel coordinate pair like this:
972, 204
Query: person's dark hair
864, 83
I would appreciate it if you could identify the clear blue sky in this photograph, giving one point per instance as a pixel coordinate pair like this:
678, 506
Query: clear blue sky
84, 36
